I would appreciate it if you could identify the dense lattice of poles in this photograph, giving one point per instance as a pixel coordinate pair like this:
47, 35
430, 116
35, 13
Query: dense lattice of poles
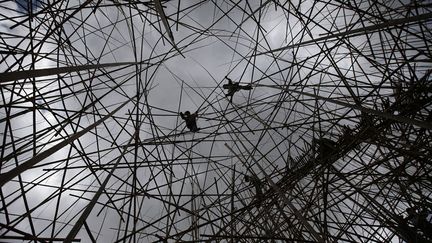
218, 121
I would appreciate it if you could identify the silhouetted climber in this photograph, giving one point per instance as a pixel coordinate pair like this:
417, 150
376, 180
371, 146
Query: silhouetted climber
408, 233
386, 105
327, 148
419, 220
366, 120
233, 87
257, 184
190, 120
412, 215
289, 163
412, 95
366, 126
348, 138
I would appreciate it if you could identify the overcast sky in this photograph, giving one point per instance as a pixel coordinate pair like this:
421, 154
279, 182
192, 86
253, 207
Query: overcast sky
262, 132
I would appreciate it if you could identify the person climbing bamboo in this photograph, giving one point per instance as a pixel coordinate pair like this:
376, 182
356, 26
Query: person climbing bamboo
326, 148
257, 184
190, 120
420, 220
234, 87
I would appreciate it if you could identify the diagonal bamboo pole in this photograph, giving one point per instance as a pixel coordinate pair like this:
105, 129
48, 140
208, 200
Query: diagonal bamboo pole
16, 75
5, 177
299, 216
